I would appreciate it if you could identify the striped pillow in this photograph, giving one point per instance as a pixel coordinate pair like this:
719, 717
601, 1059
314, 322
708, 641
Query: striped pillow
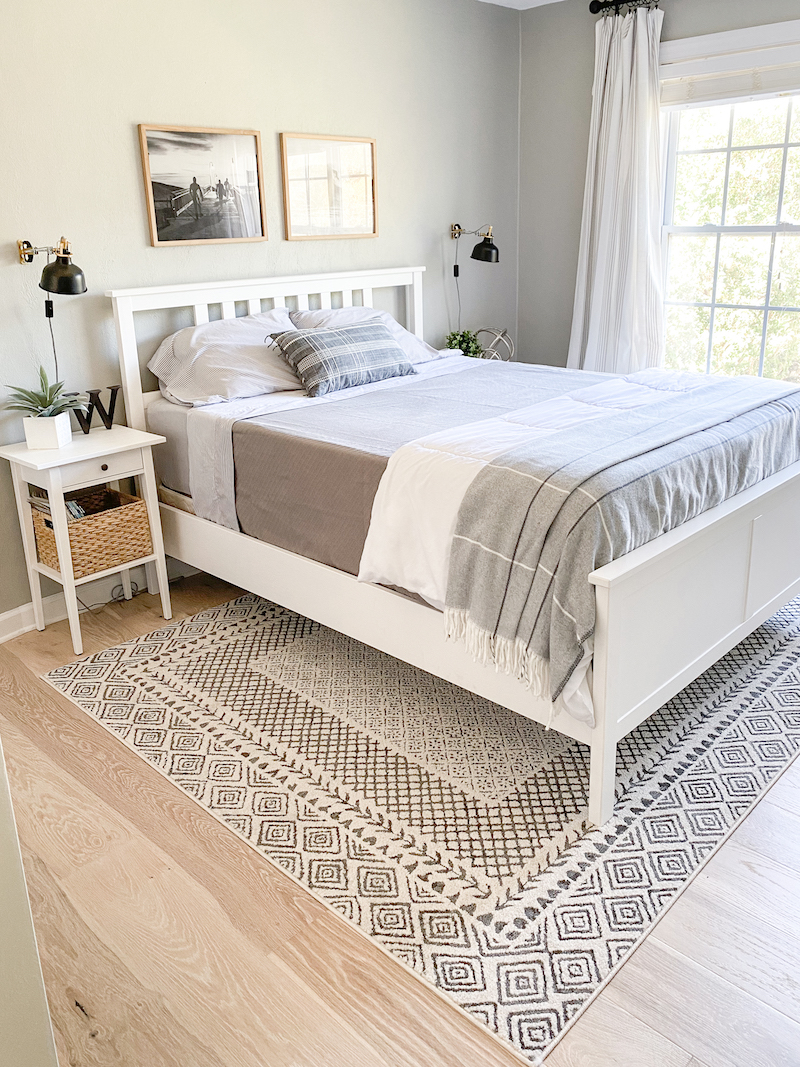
328, 359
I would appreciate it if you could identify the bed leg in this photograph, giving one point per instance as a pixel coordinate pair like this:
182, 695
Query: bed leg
602, 770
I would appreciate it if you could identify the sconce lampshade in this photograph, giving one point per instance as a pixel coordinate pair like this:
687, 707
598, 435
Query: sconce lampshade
486, 251
64, 277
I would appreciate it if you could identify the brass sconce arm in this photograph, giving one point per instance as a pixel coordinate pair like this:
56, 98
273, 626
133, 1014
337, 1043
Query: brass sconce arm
27, 250
457, 231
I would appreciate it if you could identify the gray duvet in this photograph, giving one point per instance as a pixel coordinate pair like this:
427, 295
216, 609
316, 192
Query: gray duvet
306, 478
537, 520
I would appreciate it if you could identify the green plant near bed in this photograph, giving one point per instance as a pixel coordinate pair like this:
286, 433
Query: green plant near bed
47, 401
467, 341
46, 410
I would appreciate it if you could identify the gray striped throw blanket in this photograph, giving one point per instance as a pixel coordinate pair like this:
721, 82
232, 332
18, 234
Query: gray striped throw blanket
538, 519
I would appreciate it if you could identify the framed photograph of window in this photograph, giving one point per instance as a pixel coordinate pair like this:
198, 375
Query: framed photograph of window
203, 186
329, 186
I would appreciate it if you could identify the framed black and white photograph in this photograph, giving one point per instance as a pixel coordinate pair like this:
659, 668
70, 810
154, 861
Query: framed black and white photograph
329, 186
203, 185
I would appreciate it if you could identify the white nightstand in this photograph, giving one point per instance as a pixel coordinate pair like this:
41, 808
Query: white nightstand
92, 459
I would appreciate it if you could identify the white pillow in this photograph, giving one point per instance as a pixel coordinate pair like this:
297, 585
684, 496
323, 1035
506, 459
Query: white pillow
224, 360
414, 347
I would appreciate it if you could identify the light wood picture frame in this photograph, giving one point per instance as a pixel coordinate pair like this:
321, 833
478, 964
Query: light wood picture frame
329, 186
203, 185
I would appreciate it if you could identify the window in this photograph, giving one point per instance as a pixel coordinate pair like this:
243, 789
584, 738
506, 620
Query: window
733, 239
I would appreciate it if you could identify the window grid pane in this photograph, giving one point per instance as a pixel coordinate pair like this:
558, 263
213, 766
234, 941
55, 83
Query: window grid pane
733, 298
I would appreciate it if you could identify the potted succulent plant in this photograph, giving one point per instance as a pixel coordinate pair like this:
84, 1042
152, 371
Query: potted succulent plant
47, 412
466, 341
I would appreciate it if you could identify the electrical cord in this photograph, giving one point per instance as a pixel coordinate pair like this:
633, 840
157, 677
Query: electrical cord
48, 314
458, 287
462, 233
53, 339
118, 596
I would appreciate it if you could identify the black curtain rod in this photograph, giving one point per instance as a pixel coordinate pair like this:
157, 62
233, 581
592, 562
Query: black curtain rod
597, 6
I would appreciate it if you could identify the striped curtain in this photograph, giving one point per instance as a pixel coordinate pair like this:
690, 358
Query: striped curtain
617, 323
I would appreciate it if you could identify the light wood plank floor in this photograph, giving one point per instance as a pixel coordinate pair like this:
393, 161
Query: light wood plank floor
166, 941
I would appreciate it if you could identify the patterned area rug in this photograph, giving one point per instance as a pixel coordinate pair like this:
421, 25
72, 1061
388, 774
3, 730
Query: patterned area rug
449, 830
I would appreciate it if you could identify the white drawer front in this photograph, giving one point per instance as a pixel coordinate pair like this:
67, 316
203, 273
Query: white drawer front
106, 468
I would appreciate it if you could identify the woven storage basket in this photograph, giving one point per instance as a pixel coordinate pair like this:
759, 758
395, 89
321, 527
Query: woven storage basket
106, 537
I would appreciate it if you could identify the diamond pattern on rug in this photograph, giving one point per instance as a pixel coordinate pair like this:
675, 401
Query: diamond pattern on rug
371, 783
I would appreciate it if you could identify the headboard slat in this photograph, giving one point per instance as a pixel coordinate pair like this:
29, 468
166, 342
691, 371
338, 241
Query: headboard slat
200, 315
347, 298
229, 309
414, 304
253, 307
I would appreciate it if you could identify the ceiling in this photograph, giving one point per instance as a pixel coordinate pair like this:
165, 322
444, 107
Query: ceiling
520, 5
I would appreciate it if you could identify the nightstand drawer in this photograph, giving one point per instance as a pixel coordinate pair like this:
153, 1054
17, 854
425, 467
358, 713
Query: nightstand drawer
105, 468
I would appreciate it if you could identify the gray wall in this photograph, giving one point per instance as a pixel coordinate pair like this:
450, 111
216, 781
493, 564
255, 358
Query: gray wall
87, 71
557, 67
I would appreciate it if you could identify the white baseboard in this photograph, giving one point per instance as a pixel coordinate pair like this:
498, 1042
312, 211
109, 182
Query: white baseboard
20, 620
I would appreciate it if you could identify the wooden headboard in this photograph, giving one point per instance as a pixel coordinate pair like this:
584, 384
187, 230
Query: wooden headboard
250, 292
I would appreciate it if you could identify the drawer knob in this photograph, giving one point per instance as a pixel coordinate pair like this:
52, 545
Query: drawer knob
103, 466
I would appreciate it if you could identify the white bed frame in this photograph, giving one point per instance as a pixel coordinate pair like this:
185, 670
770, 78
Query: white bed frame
665, 612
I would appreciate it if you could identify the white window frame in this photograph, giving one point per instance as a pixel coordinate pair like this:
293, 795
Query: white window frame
672, 155
759, 62
734, 65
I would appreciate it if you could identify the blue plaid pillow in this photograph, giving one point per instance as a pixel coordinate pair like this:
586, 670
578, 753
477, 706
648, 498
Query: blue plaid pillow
329, 359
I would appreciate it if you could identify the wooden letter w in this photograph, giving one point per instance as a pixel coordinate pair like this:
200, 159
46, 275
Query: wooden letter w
95, 403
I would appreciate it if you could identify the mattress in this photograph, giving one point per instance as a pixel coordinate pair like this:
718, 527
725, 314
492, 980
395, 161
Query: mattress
170, 459
306, 478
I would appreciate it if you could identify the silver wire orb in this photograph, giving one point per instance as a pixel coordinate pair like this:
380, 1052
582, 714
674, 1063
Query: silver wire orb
498, 338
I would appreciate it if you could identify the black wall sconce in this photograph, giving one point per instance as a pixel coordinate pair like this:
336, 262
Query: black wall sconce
485, 251
62, 276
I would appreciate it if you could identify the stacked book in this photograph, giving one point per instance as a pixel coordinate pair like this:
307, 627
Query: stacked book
74, 509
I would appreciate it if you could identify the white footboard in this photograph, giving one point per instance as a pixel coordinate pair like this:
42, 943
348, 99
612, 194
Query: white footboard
670, 609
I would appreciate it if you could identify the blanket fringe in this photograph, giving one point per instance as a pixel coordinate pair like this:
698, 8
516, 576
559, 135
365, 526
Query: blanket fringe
509, 656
